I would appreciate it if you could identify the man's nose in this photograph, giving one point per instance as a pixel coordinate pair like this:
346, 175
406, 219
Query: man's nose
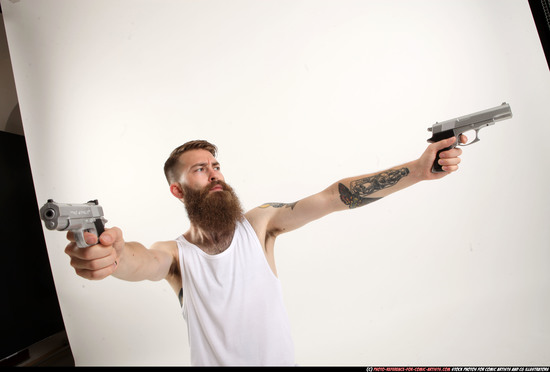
214, 176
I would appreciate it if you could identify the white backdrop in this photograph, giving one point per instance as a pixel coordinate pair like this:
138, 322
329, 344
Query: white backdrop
298, 94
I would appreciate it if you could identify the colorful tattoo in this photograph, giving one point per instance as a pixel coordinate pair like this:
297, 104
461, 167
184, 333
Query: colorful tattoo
357, 195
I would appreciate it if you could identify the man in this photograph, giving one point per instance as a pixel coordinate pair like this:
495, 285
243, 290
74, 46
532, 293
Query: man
223, 268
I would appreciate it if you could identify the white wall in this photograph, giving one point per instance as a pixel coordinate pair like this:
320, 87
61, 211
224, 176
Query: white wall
298, 94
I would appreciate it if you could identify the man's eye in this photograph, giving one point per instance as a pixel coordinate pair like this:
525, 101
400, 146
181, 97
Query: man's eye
199, 169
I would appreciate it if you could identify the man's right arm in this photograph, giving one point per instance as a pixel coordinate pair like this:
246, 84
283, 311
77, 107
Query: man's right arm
129, 261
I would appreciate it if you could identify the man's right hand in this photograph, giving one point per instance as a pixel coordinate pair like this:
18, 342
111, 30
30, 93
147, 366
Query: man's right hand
100, 260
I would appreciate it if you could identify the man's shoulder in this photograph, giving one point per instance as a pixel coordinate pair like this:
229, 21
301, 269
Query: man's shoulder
166, 245
258, 217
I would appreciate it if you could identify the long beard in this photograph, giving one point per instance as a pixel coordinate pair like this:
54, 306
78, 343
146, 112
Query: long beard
214, 212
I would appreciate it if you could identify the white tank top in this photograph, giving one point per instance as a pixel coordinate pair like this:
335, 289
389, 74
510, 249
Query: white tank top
233, 304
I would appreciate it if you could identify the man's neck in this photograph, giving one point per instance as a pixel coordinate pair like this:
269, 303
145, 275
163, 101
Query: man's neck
209, 242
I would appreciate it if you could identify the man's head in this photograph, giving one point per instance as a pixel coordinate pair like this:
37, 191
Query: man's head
172, 166
195, 178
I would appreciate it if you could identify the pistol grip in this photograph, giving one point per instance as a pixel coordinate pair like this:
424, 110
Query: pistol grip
99, 226
436, 167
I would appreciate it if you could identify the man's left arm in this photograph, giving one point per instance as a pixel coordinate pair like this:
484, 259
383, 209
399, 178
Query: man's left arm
354, 192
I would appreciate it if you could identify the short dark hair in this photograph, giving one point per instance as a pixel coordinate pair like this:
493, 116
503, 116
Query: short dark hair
171, 164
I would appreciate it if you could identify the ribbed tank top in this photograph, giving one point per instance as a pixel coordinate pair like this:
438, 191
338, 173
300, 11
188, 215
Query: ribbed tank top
233, 304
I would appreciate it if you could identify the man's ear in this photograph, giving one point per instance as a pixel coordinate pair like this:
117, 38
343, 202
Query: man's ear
176, 190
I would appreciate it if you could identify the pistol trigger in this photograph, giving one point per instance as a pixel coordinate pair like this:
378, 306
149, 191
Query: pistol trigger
458, 140
472, 142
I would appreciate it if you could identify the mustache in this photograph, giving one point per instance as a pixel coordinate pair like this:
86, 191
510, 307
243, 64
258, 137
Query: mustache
204, 192
207, 188
218, 182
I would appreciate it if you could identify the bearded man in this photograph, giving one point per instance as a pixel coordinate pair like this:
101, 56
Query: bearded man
223, 268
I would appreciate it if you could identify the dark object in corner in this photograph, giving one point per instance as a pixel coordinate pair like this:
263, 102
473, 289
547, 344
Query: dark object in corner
30, 309
541, 14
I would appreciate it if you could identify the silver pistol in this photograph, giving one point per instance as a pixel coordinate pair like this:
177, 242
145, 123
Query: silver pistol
457, 126
77, 218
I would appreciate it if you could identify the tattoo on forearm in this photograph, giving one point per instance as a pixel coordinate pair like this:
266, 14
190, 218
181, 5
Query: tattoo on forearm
279, 205
357, 194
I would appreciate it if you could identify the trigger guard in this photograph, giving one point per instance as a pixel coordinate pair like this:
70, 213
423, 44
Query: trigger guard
79, 239
470, 143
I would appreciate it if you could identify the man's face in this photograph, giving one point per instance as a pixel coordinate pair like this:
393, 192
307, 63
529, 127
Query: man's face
199, 168
211, 204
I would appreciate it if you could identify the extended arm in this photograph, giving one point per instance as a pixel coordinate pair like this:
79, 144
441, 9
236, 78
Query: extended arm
273, 219
130, 261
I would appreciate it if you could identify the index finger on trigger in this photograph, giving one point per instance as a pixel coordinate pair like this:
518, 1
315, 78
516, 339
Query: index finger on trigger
444, 143
90, 238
